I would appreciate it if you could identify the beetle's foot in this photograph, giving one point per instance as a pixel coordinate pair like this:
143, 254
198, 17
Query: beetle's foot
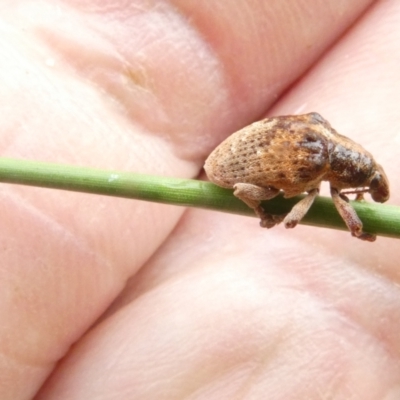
360, 197
369, 237
269, 220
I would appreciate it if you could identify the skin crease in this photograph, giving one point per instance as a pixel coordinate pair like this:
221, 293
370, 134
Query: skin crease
110, 298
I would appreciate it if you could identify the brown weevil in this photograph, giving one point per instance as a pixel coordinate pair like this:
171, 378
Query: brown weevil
293, 154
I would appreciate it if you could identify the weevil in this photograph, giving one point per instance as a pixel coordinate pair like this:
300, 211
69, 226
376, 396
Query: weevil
294, 154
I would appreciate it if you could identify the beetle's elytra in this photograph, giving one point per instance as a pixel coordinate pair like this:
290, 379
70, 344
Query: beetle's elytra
293, 154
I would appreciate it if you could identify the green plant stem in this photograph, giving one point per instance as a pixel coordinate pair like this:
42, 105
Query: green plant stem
380, 219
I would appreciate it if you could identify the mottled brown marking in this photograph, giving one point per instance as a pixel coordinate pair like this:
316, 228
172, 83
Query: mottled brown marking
293, 154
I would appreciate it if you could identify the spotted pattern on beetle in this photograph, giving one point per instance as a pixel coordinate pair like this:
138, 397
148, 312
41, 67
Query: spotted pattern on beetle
293, 154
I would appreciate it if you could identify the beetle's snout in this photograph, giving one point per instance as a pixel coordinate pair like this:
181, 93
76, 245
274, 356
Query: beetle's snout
379, 186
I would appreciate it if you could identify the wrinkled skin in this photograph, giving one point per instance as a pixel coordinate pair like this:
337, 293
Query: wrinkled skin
105, 298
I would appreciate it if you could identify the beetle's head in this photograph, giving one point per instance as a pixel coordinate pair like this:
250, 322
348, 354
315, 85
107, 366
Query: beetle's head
379, 185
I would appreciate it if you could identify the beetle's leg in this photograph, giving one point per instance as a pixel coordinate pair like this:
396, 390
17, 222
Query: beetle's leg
350, 217
300, 209
252, 195
359, 194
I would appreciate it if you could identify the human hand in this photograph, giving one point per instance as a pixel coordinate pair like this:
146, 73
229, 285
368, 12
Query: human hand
165, 303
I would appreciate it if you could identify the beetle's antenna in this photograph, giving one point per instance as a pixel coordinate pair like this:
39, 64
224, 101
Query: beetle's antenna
357, 191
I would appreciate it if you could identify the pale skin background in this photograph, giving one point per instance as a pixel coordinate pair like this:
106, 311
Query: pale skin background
147, 301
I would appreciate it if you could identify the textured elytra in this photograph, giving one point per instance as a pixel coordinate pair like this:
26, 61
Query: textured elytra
286, 155
293, 154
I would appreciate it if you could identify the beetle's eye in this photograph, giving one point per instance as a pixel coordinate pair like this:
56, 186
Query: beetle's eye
379, 188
